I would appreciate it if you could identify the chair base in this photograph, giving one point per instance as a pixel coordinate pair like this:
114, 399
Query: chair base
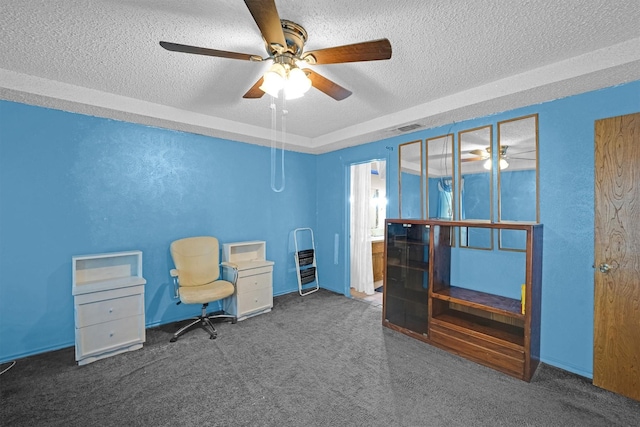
203, 321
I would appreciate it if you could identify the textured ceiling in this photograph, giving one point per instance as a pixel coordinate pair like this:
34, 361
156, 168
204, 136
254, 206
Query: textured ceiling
452, 60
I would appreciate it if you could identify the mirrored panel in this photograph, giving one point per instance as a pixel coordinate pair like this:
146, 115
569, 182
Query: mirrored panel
474, 179
476, 238
518, 174
410, 180
440, 183
517, 177
475, 196
513, 240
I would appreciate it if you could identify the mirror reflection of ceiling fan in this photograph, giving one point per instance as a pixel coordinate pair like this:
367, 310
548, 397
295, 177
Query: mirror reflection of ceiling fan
284, 41
485, 154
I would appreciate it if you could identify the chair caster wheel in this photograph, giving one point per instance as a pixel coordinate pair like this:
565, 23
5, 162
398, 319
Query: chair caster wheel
174, 339
213, 337
234, 321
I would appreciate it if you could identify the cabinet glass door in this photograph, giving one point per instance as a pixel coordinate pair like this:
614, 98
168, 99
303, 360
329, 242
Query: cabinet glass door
406, 282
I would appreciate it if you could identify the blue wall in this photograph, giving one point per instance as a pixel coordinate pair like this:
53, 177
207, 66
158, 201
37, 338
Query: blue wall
476, 196
566, 151
411, 196
72, 184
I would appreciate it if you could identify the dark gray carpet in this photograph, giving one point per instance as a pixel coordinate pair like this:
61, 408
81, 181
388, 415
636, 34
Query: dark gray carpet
318, 360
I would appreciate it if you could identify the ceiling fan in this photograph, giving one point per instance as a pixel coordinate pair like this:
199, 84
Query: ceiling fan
485, 153
284, 42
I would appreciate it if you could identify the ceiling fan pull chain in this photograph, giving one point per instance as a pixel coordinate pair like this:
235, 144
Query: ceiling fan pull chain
274, 141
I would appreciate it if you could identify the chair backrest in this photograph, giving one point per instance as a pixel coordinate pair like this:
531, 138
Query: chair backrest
197, 260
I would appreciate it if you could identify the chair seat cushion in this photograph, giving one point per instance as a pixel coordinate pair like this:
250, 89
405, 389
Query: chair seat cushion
206, 293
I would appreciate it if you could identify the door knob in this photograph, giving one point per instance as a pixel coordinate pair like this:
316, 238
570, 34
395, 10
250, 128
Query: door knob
604, 267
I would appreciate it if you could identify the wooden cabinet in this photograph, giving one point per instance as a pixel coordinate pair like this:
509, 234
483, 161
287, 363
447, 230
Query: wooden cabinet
108, 292
254, 285
377, 253
494, 330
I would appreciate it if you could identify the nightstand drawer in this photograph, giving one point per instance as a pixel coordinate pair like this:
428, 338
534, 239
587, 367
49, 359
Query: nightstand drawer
255, 271
256, 300
253, 283
107, 310
109, 336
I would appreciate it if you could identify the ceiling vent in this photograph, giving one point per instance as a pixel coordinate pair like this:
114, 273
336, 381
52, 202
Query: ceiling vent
408, 128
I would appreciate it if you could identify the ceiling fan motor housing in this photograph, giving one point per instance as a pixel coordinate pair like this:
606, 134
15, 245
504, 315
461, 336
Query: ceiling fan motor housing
295, 36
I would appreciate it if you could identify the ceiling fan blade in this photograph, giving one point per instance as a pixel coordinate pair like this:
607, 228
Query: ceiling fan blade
175, 47
265, 14
366, 51
480, 152
472, 159
521, 158
325, 85
255, 91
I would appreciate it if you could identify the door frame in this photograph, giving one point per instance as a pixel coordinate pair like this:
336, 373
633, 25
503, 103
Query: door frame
347, 213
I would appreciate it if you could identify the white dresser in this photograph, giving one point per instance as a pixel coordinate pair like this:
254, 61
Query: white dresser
254, 288
108, 293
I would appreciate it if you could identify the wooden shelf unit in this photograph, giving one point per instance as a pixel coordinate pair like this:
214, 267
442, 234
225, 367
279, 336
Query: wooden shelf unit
481, 300
489, 329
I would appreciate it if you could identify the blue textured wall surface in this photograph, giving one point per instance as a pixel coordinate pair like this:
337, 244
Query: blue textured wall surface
72, 184
566, 160
411, 196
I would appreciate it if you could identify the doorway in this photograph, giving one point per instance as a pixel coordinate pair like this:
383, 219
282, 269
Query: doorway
616, 355
368, 211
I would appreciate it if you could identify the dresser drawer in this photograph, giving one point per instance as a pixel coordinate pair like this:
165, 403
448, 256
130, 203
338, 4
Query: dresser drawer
108, 336
107, 310
486, 352
256, 300
268, 269
253, 283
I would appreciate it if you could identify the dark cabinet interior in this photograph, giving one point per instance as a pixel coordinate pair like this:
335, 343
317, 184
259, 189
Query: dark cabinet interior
406, 296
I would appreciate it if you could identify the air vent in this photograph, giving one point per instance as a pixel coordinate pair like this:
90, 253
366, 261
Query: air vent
407, 128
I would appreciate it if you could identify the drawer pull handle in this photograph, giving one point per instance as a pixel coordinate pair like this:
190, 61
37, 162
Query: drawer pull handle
111, 310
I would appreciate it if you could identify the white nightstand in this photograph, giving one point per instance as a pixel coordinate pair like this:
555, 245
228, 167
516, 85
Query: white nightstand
254, 287
108, 294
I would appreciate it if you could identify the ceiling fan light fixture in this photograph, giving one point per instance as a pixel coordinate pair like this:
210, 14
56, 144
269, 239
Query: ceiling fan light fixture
502, 163
293, 80
274, 80
297, 84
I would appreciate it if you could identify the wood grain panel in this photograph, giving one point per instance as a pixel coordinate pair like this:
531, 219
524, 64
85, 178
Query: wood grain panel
480, 353
377, 254
617, 243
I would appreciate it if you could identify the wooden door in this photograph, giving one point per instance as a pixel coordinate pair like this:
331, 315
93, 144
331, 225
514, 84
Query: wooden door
616, 363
